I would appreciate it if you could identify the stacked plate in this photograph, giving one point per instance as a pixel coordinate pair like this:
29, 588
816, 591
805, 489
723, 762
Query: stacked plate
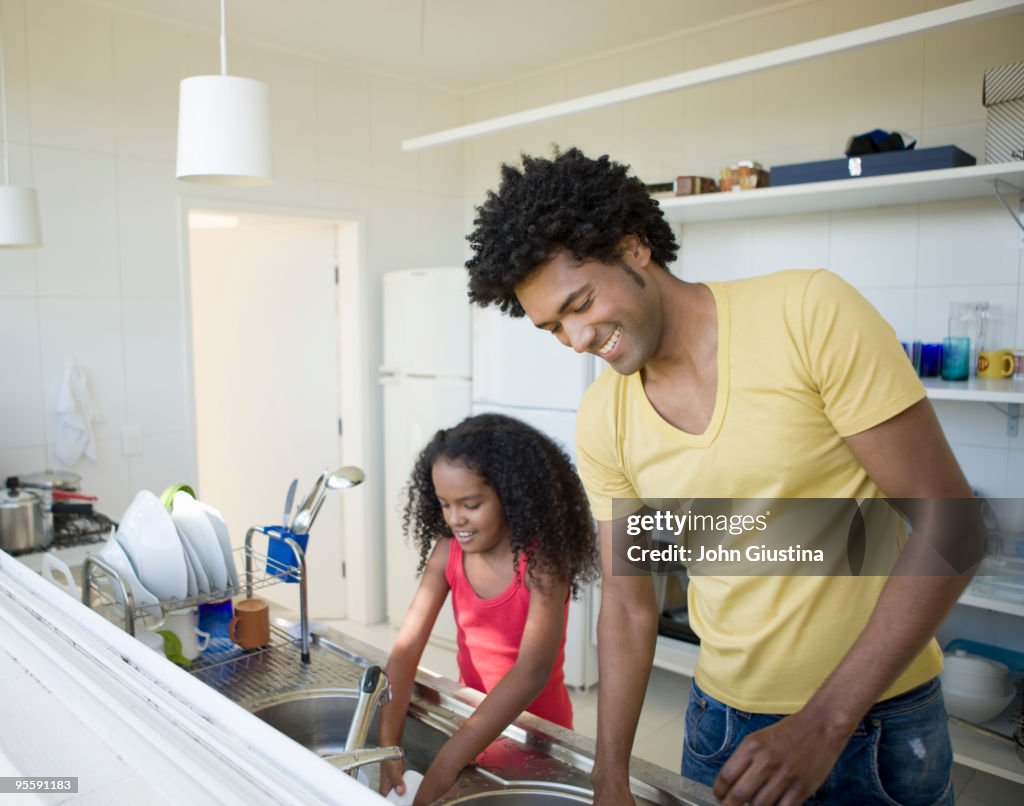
171, 555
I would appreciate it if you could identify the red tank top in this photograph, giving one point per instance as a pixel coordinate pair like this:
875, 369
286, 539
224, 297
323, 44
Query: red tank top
488, 633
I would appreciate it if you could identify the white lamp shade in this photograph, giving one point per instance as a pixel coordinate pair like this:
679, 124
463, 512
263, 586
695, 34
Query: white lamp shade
19, 217
224, 131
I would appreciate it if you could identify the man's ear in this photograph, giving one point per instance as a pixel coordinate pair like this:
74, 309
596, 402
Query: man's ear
634, 251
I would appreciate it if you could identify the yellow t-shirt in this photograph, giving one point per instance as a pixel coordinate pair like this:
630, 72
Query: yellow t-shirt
803, 361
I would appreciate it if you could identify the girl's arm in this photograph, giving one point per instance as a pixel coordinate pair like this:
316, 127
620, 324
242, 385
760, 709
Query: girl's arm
542, 637
406, 653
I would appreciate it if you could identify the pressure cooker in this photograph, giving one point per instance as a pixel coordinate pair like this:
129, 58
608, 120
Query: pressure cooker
23, 526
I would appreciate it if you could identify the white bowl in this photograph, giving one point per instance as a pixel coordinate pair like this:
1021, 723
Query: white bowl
220, 528
148, 535
974, 675
976, 708
190, 519
114, 554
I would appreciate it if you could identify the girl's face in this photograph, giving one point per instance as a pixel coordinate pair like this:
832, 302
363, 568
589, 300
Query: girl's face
471, 508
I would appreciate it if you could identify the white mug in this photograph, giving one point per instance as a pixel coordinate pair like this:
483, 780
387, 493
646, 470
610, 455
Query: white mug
184, 624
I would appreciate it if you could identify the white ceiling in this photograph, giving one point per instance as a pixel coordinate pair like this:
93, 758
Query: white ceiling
460, 45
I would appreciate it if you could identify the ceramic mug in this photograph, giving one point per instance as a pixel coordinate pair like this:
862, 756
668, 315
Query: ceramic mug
995, 363
1018, 364
250, 628
183, 623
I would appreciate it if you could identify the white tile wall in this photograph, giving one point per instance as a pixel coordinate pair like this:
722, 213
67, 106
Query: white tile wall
21, 404
71, 70
78, 209
92, 105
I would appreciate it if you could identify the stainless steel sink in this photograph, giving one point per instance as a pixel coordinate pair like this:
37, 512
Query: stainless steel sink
523, 796
319, 720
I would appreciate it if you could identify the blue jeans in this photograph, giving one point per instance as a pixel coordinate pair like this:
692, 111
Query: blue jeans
899, 754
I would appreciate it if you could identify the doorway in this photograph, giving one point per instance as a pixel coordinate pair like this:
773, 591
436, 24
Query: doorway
271, 390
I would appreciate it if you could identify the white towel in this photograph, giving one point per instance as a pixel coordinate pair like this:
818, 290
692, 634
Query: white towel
412, 781
76, 416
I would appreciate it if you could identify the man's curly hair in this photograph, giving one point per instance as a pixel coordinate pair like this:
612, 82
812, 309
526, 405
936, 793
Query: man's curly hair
571, 202
542, 498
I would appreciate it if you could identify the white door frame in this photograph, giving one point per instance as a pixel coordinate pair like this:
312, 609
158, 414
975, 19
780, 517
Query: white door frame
360, 515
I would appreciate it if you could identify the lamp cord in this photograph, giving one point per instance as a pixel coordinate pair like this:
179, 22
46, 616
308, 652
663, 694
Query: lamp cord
223, 42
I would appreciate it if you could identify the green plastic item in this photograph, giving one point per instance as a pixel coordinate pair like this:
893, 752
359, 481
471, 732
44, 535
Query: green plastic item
167, 496
172, 648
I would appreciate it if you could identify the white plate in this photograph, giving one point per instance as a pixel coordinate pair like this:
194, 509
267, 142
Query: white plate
189, 517
198, 581
114, 554
221, 530
149, 538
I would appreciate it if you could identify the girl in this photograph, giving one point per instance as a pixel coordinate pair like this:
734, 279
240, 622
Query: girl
501, 521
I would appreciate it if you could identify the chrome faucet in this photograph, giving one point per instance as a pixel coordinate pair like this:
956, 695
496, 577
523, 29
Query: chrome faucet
351, 759
374, 690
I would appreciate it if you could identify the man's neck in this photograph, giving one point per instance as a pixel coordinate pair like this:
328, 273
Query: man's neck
690, 334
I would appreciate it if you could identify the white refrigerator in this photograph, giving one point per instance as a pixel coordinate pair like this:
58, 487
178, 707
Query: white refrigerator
526, 373
426, 387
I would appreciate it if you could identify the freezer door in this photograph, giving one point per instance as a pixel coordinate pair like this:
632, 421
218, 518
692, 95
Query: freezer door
559, 425
515, 364
414, 409
427, 326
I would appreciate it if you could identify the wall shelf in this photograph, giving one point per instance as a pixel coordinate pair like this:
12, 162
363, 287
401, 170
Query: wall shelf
986, 753
846, 194
976, 390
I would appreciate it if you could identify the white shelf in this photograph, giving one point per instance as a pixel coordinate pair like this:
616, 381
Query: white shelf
987, 753
987, 602
977, 390
676, 656
847, 194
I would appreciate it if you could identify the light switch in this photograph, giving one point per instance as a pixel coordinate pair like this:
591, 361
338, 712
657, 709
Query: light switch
131, 437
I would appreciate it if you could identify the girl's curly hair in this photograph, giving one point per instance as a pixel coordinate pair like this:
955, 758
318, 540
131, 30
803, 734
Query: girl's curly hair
544, 503
571, 202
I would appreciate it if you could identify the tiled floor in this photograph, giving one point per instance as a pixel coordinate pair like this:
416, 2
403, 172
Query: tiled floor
659, 735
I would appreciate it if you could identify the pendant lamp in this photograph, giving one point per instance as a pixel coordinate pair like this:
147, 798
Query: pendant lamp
19, 206
224, 127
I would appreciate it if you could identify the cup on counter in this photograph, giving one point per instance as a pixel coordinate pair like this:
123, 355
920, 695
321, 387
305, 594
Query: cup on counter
184, 624
215, 618
250, 628
931, 360
995, 363
956, 354
1018, 364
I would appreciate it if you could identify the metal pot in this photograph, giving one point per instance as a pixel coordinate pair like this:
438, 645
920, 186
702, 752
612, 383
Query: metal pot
22, 526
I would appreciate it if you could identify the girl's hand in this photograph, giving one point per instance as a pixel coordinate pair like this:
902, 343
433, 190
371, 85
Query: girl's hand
438, 780
391, 773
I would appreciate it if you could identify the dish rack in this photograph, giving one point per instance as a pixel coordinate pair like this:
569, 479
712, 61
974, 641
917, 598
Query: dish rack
118, 604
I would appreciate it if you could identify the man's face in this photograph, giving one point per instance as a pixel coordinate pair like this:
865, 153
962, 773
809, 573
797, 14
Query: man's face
610, 310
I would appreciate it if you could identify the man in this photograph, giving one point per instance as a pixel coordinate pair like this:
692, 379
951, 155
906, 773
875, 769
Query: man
786, 386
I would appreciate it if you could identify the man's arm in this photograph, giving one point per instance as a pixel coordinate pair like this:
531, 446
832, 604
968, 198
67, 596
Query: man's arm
626, 632
907, 457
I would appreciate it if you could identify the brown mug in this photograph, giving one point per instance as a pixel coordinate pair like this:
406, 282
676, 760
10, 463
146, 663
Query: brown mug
250, 628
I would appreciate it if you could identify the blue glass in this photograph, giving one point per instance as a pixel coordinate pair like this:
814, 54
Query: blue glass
956, 354
214, 618
931, 360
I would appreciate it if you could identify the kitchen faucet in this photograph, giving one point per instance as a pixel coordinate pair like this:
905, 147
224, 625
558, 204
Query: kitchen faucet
374, 690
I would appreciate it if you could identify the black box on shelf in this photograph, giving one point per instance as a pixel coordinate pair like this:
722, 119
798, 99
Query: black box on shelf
887, 162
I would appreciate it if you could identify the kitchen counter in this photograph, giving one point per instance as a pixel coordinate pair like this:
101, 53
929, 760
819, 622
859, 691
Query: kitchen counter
170, 725
530, 752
